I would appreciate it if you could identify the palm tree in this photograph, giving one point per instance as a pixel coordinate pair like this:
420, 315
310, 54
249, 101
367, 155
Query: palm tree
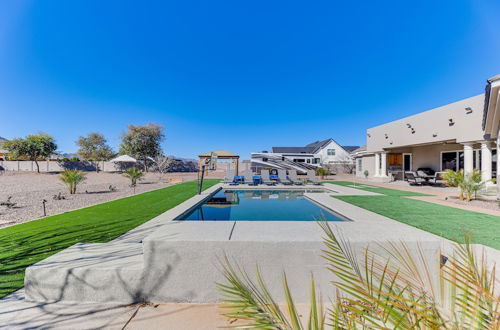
377, 294
72, 178
471, 184
134, 174
455, 179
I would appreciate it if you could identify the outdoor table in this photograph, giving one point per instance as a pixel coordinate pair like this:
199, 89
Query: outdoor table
273, 177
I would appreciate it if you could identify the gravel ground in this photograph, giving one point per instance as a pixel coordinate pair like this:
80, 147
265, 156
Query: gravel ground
485, 204
28, 190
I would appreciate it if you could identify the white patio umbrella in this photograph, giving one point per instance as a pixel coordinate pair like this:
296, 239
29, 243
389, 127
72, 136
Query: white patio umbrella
124, 159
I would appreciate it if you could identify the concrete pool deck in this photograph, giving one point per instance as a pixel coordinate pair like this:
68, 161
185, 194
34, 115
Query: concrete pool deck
140, 264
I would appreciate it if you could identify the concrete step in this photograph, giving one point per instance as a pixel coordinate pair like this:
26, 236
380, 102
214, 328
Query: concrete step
99, 272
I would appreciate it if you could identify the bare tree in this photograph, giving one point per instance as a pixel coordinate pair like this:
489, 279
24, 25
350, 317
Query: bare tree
162, 165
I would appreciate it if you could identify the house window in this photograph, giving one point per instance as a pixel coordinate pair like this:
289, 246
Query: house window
315, 160
452, 160
360, 165
308, 161
330, 152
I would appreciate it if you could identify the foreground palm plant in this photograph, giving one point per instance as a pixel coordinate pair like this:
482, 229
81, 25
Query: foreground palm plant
374, 294
72, 178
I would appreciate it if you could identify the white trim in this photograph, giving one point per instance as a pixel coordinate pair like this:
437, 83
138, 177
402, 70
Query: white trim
411, 162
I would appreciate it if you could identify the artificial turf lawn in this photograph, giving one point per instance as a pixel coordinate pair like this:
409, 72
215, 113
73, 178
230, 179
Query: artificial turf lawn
380, 190
27, 243
445, 221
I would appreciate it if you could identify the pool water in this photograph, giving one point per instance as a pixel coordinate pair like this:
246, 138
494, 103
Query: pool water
260, 205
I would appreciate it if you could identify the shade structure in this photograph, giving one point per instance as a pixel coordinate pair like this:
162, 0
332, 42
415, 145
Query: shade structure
124, 159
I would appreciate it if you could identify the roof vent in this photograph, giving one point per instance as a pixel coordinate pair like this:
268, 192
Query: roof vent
386, 136
434, 135
368, 134
409, 126
468, 110
451, 122
412, 131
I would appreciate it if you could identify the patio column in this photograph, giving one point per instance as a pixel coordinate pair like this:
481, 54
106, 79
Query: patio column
468, 158
383, 166
377, 164
486, 162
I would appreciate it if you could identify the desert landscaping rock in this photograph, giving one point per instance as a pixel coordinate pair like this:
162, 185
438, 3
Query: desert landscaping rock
28, 190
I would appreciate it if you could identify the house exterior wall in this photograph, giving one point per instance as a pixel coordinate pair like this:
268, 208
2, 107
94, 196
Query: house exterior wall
340, 154
430, 156
431, 126
367, 163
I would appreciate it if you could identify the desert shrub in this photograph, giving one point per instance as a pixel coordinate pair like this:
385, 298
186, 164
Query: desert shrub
72, 178
8, 203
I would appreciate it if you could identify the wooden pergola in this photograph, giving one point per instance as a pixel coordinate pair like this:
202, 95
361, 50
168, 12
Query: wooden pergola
221, 154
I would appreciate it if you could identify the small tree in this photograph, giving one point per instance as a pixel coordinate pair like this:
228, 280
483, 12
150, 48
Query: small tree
471, 184
35, 147
455, 179
142, 142
72, 178
162, 164
134, 174
322, 172
94, 148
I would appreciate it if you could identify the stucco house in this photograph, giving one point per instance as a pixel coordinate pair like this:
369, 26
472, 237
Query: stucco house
311, 156
461, 135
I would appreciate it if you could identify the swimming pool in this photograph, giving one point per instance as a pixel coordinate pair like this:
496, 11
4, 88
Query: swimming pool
260, 205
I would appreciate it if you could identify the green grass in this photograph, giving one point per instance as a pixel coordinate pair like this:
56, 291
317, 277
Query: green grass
445, 221
380, 190
27, 243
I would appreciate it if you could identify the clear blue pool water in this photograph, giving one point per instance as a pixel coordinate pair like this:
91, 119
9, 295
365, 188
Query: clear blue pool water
260, 205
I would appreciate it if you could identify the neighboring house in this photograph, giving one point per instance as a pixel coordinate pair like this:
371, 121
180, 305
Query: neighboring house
461, 135
311, 156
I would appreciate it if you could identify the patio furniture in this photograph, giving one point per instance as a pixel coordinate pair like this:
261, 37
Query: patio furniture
257, 179
283, 178
248, 175
292, 175
423, 175
239, 179
229, 178
266, 179
311, 177
414, 179
438, 179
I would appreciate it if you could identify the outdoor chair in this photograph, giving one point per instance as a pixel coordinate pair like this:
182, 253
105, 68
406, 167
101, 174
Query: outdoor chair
414, 179
229, 178
438, 179
282, 177
264, 174
311, 177
292, 175
248, 175
422, 174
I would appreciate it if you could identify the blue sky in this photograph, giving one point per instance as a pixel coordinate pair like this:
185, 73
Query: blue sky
237, 75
